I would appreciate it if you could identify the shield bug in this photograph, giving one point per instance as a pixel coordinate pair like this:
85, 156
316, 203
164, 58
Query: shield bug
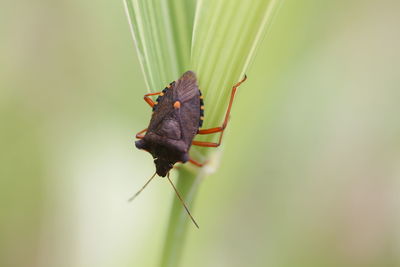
178, 115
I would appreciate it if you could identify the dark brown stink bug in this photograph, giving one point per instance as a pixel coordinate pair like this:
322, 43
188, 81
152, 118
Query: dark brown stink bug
178, 115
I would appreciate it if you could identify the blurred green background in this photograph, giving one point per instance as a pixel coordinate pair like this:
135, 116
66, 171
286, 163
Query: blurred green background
310, 172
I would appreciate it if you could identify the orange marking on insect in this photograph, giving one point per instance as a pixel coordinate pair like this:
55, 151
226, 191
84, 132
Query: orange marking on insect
202, 107
177, 104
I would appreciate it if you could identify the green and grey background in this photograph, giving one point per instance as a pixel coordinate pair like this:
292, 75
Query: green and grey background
310, 167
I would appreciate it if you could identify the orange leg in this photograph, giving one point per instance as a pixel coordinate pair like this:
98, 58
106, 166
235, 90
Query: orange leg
198, 164
140, 135
206, 144
224, 124
149, 100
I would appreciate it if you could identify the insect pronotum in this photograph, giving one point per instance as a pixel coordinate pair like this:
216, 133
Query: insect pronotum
178, 115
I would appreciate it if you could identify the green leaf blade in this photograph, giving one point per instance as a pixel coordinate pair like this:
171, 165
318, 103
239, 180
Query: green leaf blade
225, 37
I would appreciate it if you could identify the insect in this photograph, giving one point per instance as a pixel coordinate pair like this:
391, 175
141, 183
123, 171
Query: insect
178, 115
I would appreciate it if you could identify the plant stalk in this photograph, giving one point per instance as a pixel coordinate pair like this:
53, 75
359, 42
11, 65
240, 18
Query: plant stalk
188, 183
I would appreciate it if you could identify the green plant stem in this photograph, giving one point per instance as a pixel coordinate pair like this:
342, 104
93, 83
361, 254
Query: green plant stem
188, 184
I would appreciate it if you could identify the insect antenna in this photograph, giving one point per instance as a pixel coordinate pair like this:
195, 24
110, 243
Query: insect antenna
138, 192
183, 203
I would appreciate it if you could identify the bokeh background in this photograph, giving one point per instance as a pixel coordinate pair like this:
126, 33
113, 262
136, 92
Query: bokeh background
310, 172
